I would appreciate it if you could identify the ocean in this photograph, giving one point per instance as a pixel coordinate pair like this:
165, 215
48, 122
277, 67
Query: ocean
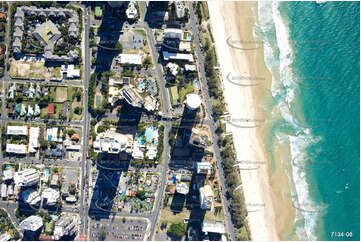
313, 53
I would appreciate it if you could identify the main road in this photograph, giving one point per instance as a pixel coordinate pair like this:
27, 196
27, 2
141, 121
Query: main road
166, 109
83, 208
6, 74
200, 62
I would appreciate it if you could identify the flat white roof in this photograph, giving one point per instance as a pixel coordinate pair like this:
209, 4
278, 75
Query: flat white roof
130, 59
33, 139
17, 130
193, 101
177, 56
213, 227
17, 149
32, 223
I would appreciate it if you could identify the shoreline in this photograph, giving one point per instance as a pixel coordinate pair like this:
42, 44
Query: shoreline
268, 210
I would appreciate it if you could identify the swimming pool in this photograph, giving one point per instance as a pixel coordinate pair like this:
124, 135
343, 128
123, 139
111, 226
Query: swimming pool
47, 173
196, 83
141, 84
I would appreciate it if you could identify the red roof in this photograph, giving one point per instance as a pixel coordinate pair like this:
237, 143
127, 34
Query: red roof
45, 237
83, 237
50, 108
2, 15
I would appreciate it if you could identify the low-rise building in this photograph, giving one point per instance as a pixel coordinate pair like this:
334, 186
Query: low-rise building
133, 59
204, 168
213, 227
16, 149
4, 191
34, 139
17, 130
206, 197
26, 177
177, 56
8, 174
70, 72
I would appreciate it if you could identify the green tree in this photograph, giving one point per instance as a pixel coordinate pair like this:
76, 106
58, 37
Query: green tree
177, 230
78, 110
102, 235
118, 46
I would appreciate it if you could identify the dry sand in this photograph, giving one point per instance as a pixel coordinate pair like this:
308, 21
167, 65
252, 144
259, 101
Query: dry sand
233, 21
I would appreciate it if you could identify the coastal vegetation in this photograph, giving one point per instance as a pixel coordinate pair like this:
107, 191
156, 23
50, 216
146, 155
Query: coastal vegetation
225, 142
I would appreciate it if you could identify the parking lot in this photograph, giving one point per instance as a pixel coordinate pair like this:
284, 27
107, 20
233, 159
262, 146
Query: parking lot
118, 229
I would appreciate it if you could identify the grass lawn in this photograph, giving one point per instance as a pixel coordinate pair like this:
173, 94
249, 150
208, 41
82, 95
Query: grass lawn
61, 94
167, 214
73, 115
174, 95
141, 31
184, 91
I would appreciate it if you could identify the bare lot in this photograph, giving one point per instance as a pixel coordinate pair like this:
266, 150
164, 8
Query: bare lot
32, 70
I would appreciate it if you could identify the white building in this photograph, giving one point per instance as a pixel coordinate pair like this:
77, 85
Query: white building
5, 236
16, 149
70, 71
66, 225
32, 223
172, 33
31, 197
182, 188
113, 143
52, 134
4, 191
193, 101
51, 196
213, 227
189, 67
17, 130
179, 9
130, 59
8, 174
131, 11
204, 167
27, 177
177, 56
34, 139
206, 197
173, 68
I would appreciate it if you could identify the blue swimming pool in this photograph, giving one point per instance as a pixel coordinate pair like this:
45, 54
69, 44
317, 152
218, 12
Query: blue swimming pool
47, 173
196, 83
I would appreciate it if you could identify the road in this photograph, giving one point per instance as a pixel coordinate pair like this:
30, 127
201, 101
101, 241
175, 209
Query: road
166, 109
83, 208
6, 74
208, 106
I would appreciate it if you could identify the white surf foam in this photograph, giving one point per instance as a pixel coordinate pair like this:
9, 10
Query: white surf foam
278, 58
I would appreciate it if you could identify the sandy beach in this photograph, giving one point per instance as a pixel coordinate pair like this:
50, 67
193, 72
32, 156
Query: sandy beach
232, 24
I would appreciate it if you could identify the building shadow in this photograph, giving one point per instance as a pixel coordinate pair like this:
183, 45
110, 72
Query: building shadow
104, 193
183, 150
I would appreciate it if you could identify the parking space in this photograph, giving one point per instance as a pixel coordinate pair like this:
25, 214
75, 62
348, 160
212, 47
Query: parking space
119, 229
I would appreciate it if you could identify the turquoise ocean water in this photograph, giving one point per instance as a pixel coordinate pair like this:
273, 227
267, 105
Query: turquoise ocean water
312, 51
